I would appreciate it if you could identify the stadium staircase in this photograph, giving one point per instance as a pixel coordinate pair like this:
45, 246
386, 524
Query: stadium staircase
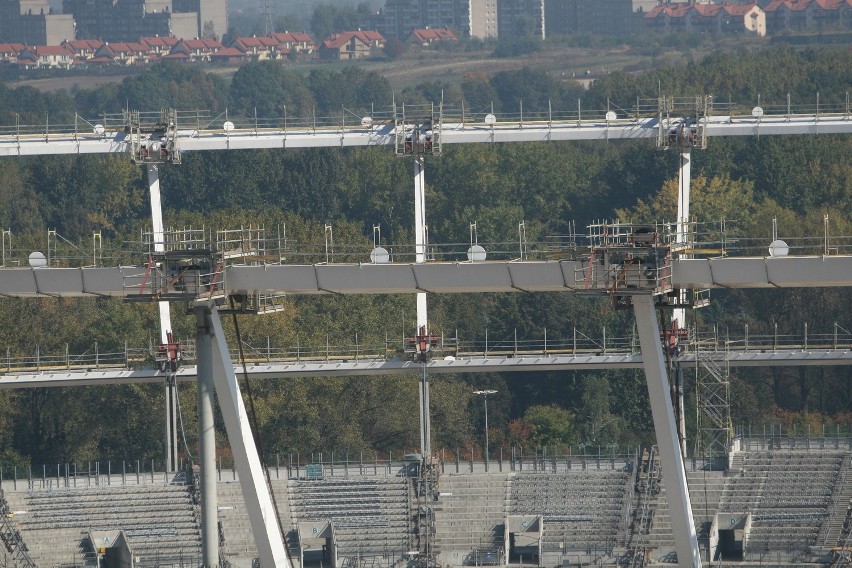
705, 493
469, 514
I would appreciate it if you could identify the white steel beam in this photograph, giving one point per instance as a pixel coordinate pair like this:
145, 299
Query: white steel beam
116, 142
654, 363
757, 357
262, 514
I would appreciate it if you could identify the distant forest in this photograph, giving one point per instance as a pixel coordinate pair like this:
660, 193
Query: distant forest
794, 180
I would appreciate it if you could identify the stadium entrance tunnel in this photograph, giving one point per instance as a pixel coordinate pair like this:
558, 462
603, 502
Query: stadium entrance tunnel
317, 545
111, 548
522, 538
728, 535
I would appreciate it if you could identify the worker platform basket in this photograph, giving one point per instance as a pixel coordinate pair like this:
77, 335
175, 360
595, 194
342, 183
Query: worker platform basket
152, 137
179, 267
626, 259
417, 129
682, 122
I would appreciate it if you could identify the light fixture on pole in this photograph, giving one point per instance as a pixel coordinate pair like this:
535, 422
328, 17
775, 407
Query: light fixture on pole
485, 394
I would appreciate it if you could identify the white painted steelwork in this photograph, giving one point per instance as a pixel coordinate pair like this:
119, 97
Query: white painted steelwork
377, 134
736, 357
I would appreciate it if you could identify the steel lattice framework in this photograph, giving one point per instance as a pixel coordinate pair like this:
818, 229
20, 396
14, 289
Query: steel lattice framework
682, 124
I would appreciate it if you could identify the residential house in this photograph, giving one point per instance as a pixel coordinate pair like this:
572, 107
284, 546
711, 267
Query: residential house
194, 49
228, 56
351, 45
9, 52
706, 18
296, 42
750, 16
122, 53
430, 36
83, 49
257, 48
158, 46
46, 57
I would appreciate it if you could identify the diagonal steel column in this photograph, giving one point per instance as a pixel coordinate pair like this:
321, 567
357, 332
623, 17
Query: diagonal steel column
262, 515
683, 525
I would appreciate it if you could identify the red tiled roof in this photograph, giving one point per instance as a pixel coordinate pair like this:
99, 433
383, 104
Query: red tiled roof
831, 5
337, 41
678, 10
370, 35
228, 52
126, 47
774, 5
202, 44
799, 5
157, 41
655, 11
176, 56
708, 10
294, 37
246, 43
11, 48
51, 50
83, 44
738, 9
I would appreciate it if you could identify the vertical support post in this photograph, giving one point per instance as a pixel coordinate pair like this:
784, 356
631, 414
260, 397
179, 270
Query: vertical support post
682, 238
422, 318
207, 441
683, 525
171, 435
262, 514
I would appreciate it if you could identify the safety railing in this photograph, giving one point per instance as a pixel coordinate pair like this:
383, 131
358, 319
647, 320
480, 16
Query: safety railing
194, 123
368, 348
259, 245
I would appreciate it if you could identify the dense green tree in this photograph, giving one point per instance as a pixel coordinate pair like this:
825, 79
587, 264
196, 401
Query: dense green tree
171, 85
269, 92
328, 19
480, 96
551, 426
